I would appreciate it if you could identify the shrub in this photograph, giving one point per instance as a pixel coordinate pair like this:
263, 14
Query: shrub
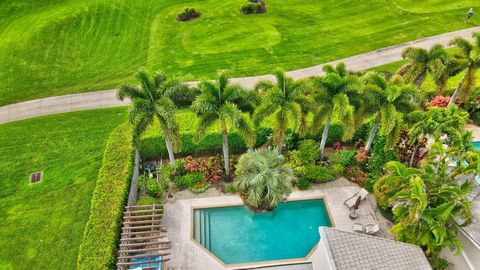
318, 174
180, 167
338, 169
200, 187
356, 175
212, 168
150, 185
187, 14
475, 118
251, 8
184, 98
291, 140
303, 183
100, 238
308, 152
188, 180
438, 263
440, 101
344, 157
263, 134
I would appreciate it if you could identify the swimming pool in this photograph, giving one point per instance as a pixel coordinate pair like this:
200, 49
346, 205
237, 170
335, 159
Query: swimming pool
235, 235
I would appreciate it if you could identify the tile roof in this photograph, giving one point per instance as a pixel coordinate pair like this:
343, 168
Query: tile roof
473, 230
354, 251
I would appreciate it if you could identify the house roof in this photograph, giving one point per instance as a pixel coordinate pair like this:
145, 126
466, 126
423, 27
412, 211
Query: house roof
473, 230
352, 251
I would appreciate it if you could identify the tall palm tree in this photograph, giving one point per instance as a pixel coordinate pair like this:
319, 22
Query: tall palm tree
423, 62
287, 101
333, 95
469, 61
263, 179
152, 100
386, 101
226, 103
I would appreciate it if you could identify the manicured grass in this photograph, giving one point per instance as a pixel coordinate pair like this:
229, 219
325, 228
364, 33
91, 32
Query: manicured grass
42, 224
59, 47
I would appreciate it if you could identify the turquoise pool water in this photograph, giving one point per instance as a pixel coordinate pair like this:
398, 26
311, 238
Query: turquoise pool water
236, 235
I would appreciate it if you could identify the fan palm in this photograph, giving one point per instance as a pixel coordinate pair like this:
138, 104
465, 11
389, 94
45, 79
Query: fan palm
333, 95
285, 100
387, 101
469, 61
227, 103
263, 179
423, 62
152, 100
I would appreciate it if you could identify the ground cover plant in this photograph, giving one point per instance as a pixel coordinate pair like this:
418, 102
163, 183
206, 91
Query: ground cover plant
42, 224
75, 46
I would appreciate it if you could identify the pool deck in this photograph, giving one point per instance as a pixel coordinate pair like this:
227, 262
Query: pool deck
475, 132
185, 254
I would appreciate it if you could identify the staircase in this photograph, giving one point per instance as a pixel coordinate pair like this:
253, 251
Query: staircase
201, 231
144, 242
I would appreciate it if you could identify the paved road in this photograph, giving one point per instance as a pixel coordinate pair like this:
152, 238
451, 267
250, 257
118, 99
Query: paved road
106, 98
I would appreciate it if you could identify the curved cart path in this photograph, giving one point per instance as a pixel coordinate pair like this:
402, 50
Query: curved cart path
107, 98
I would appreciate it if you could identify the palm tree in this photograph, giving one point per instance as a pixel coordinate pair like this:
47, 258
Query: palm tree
423, 62
227, 103
333, 94
152, 100
386, 101
469, 61
287, 101
446, 125
263, 179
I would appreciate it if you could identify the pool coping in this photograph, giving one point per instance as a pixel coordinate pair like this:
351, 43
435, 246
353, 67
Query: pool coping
262, 263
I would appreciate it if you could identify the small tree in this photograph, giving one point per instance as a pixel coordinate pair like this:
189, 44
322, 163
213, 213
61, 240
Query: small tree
263, 179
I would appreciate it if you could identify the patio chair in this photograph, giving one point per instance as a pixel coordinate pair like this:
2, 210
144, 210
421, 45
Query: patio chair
353, 210
372, 229
358, 228
352, 201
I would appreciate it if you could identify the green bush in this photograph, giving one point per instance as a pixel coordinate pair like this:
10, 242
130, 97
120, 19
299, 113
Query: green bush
100, 238
344, 157
150, 185
377, 160
318, 174
184, 98
338, 169
475, 117
251, 8
187, 14
188, 180
154, 147
308, 152
200, 187
303, 183
291, 140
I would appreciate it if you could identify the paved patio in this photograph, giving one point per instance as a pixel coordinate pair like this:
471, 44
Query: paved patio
187, 255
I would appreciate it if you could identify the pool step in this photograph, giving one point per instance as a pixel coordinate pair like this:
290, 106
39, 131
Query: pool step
202, 228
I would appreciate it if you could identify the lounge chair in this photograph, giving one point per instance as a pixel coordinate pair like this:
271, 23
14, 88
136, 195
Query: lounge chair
372, 229
358, 228
353, 201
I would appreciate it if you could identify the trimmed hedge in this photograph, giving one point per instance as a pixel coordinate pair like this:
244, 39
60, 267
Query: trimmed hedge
100, 238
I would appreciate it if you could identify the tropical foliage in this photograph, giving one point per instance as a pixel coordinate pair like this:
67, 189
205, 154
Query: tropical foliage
287, 101
263, 179
427, 203
150, 101
227, 103
333, 95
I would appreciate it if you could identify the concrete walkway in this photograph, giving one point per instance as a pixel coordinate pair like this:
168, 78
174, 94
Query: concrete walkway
106, 98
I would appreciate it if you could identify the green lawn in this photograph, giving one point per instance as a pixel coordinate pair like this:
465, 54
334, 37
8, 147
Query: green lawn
67, 46
41, 225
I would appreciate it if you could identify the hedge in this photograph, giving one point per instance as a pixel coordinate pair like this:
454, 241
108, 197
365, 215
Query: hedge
101, 235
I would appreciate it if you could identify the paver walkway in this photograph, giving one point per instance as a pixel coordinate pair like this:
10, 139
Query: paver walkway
106, 98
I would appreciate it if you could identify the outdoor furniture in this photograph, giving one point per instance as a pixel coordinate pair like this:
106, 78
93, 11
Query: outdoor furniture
353, 210
372, 229
358, 228
352, 201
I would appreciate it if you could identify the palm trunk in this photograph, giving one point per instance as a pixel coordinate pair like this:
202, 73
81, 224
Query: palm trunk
455, 94
325, 135
280, 145
171, 156
373, 133
412, 158
226, 160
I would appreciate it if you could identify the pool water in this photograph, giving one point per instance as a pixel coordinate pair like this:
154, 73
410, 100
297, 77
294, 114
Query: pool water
236, 235
157, 265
